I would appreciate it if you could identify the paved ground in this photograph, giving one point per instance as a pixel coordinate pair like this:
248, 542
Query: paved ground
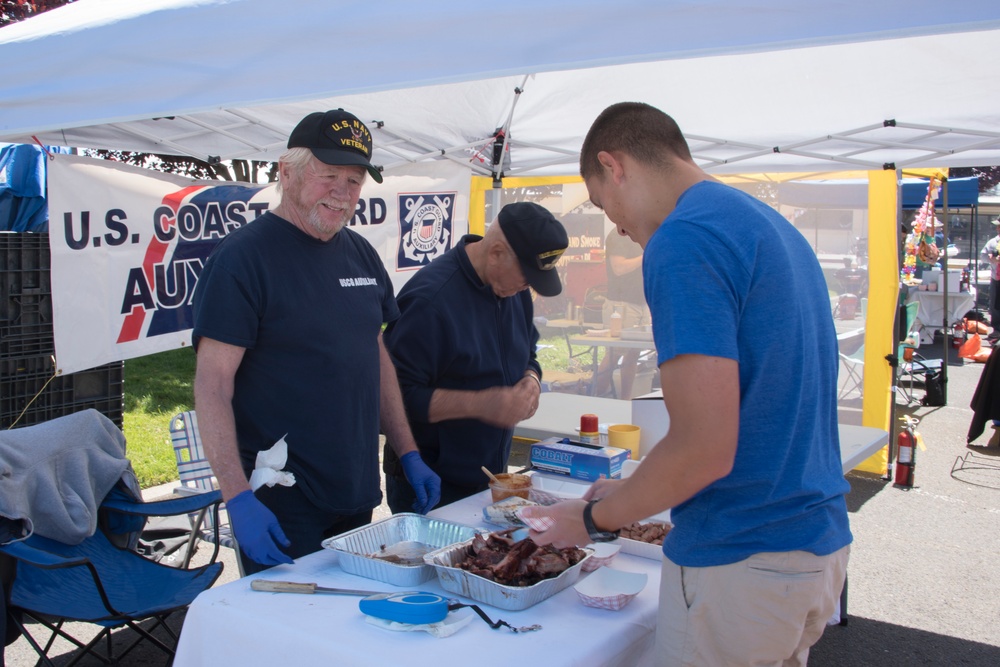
922, 588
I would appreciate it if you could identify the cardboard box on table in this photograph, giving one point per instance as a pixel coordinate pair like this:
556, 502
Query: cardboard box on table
562, 456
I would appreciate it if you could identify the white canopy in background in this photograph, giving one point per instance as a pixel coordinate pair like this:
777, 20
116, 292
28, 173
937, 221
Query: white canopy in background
778, 85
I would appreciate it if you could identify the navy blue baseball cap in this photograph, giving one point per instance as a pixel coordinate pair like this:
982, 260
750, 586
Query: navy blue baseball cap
336, 137
538, 240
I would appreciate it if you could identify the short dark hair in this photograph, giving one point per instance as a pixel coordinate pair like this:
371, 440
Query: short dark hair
637, 129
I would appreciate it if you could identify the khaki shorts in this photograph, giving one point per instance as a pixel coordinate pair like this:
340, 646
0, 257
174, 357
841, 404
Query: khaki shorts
766, 610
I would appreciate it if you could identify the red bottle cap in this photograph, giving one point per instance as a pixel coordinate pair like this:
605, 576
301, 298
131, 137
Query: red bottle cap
588, 423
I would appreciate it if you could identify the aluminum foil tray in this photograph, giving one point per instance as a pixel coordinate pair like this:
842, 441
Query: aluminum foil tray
356, 547
512, 598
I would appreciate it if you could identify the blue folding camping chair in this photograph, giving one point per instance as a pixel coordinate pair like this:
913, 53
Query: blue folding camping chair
97, 582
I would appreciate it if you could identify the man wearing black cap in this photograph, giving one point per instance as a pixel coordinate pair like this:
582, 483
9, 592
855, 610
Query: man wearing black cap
464, 348
288, 314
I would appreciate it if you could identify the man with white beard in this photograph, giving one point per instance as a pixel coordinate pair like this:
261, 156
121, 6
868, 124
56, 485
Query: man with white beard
288, 318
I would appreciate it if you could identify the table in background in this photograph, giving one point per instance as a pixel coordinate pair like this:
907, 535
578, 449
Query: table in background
558, 416
930, 311
597, 342
231, 624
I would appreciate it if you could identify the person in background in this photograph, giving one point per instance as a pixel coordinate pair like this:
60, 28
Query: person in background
750, 466
464, 348
288, 315
623, 258
991, 254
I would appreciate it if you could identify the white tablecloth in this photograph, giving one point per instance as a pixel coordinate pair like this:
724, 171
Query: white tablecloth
930, 311
232, 625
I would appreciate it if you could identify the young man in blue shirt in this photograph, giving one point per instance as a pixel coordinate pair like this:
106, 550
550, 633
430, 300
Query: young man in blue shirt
750, 466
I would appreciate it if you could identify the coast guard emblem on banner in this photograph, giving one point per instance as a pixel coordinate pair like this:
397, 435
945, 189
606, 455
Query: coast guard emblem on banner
424, 227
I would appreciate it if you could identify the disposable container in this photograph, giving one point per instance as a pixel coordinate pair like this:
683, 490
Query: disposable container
510, 485
410, 533
643, 549
504, 512
610, 589
512, 598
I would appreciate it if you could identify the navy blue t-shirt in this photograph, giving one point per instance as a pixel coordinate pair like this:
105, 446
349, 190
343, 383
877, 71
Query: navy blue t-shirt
309, 314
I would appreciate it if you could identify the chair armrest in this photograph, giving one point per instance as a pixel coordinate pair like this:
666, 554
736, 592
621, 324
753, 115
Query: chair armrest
167, 507
46, 560
23, 551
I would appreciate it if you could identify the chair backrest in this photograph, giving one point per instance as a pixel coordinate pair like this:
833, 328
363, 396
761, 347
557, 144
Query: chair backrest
911, 310
95, 581
192, 465
196, 474
911, 315
849, 344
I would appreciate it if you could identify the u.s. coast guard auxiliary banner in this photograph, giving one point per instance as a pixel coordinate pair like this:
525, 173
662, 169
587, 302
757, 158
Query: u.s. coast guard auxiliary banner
128, 245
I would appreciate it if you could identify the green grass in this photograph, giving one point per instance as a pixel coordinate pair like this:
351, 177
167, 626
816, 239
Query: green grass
158, 386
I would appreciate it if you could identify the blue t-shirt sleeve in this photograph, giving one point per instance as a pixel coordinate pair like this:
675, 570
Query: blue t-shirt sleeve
692, 282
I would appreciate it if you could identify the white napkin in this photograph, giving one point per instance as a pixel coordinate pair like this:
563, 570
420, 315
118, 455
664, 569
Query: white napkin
269, 467
452, 623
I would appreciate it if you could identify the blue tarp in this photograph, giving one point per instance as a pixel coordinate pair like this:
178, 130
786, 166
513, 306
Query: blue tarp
962, 193
22, 191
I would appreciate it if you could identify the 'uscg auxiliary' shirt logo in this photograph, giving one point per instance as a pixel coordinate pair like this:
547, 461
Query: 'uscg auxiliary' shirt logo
357, 282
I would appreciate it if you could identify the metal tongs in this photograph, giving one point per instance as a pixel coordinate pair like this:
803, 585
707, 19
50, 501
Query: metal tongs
415, 607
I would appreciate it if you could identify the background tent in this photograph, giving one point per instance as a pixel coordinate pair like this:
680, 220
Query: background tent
962, 193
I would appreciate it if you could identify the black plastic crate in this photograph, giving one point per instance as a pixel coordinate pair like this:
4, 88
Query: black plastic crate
27, 307
26, 340
97, 384
28, 385
21, 380
112, 409
25, 278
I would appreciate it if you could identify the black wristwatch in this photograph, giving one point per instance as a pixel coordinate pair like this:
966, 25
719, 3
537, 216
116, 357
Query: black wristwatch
595, 534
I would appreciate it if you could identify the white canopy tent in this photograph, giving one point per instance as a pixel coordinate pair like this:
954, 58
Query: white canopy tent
757, 86
768, 86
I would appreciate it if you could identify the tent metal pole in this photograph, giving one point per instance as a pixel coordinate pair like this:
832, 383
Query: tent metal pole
947, 325
893, 357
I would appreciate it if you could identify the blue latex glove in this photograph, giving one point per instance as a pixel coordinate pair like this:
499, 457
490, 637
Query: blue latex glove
256, 530
425, 482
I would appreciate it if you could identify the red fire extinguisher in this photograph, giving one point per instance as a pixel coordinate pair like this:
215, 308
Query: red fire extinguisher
959, 334
906, 457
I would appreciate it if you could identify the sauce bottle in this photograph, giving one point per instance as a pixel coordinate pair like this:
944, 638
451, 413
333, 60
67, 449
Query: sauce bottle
616, 324
589, 430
